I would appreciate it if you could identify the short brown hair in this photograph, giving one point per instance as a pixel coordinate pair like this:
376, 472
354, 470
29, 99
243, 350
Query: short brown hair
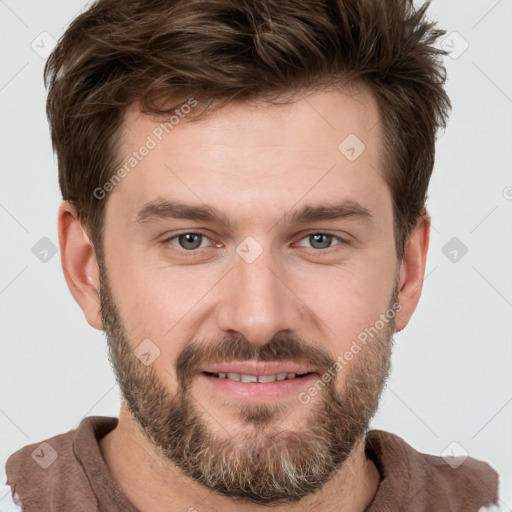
120, 52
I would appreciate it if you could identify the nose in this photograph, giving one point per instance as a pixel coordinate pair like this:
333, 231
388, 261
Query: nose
258, 300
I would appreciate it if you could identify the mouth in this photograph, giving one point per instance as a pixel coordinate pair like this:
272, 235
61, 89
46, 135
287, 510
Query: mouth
254, 381
240, 377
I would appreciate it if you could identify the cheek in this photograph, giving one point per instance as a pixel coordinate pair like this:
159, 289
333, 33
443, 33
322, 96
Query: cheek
160, 303
348, 299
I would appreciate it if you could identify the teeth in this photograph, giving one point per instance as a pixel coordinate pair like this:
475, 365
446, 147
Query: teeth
267, 378
249, 378
254, 378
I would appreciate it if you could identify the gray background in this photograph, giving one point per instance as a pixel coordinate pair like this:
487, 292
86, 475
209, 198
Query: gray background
451, 379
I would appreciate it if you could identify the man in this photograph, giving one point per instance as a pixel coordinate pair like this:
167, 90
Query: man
244, 215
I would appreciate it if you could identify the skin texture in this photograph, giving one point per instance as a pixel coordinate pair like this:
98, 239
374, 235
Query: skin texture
258, 164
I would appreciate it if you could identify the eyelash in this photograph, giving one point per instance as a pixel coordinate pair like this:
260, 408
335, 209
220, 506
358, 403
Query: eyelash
194, 252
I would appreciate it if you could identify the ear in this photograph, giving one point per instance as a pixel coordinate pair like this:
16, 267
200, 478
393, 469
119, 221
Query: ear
79, 264
412, 271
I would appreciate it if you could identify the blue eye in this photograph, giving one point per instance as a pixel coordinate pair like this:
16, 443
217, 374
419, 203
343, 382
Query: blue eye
321, 240
188, 241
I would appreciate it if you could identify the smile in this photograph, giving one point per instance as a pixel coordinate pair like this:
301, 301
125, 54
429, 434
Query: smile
240, 377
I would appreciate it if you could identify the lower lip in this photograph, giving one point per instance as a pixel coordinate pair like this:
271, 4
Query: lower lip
252, 392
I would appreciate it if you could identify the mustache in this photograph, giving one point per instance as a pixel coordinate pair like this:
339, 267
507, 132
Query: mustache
281, 348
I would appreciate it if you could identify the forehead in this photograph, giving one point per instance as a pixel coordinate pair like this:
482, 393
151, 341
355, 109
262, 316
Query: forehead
323, 146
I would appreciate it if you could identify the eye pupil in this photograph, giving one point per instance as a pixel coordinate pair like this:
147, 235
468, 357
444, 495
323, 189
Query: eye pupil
323, 239
190, 240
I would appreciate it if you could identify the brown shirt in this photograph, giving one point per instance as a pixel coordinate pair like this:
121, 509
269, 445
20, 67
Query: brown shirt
68, 473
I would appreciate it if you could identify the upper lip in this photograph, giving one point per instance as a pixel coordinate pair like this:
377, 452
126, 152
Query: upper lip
257, 368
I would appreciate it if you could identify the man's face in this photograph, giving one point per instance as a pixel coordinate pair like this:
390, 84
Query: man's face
270, 289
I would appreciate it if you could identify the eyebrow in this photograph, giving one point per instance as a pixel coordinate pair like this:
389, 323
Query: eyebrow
165, 209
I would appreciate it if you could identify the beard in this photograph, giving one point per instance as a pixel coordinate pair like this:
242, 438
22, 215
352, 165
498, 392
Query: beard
265, 463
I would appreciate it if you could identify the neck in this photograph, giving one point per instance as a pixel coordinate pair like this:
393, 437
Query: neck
167, 489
